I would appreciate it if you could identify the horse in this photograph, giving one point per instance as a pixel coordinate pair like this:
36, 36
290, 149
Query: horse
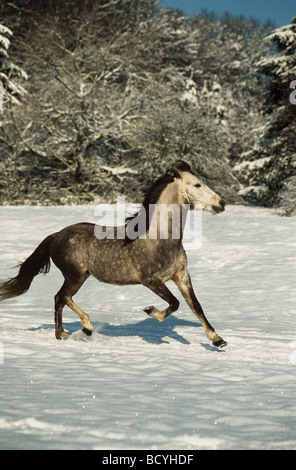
138, 252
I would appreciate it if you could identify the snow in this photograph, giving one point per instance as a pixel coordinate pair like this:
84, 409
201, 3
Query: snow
190, 93
258, 189
285, 35
137, 384
259, 163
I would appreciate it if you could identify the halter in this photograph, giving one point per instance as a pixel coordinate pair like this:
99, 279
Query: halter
188, 196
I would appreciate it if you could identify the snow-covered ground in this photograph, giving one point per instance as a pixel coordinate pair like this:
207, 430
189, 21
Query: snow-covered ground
138, 384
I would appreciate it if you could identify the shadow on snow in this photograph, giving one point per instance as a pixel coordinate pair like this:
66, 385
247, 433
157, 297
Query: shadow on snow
149, 330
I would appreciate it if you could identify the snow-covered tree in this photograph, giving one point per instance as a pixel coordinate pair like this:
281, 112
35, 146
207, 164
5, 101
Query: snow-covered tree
280, 65
11, 89
268, 172
121, 92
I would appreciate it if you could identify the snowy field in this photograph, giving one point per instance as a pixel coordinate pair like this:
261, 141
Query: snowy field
138, 384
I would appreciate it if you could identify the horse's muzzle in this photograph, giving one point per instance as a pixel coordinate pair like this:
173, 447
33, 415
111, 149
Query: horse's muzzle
218, 207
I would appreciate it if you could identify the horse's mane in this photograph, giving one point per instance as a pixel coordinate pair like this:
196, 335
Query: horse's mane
154, 193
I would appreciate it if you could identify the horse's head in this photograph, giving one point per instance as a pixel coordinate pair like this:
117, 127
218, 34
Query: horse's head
195, 191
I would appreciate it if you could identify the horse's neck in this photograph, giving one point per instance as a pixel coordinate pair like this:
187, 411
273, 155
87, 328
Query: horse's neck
168, 217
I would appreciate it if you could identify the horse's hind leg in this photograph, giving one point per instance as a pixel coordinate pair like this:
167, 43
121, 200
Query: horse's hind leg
85, 320
64, 297
60, 333
159, 288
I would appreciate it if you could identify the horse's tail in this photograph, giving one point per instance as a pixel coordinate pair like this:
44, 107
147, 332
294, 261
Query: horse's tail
38, 262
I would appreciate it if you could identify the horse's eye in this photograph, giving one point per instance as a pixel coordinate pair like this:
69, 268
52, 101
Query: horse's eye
197, 185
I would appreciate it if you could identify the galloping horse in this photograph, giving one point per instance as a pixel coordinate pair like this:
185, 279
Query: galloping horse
147, 257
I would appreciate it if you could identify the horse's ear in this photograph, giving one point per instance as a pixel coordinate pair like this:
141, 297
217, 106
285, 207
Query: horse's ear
182, 166
179, 165
172, 172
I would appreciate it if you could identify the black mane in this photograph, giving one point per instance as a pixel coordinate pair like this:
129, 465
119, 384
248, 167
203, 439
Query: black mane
161, 183
154, 193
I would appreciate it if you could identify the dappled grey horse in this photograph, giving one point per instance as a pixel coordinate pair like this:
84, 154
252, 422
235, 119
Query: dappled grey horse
146, 250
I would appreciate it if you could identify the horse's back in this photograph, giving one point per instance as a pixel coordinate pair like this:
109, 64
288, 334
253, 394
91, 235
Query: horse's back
77, 249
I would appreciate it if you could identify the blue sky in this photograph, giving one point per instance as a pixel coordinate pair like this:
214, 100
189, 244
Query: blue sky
279, 11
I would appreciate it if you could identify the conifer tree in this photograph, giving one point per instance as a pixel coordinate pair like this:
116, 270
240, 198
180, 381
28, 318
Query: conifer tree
280, 68
11, 89
280, 65
269, 173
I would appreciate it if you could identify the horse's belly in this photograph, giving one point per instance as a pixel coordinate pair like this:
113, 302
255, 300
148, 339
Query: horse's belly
117, 276
112, 265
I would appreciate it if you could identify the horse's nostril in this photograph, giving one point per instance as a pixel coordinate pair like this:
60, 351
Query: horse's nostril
222, 203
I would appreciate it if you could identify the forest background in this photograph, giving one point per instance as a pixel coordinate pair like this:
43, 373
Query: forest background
99, 97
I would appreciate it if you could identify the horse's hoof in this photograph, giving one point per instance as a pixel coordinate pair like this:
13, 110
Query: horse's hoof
220, 343
87, 332
149, 310
62, 335
154, 313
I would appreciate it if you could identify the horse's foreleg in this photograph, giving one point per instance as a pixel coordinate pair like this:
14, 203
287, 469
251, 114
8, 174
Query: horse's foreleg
183, 281
158, 287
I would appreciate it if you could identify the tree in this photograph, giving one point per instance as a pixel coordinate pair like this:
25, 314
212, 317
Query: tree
269, 171
9, 72
121, 92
